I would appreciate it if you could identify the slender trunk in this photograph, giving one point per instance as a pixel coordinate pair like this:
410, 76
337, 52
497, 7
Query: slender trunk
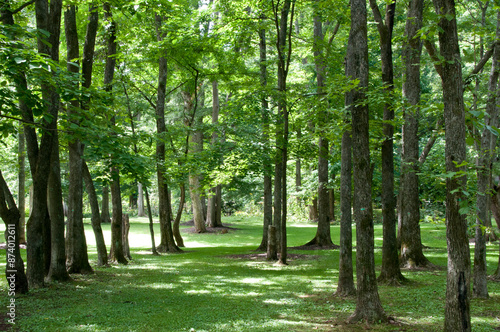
21, 193
102, 255
105, 215
457, 308
323, 236
167, 243
267, 166
177, 220
484, 161
368, 306
151, 227
116, 251
346, 275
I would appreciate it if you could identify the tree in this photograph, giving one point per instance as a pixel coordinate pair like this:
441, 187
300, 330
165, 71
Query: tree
322, 237
390, 272
484, 161
116, 251
409, 211
77, 257
457, 312
368, 306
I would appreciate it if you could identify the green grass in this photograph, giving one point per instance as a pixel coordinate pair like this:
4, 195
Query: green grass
204, 290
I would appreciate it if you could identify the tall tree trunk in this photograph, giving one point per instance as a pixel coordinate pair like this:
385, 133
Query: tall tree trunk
102, 255
411, 255
77, 257
323, 235
267, 166
457, 311
284, 53
368, 306
167, 243
21, 193
346, 274
57, 270
116, 251
390, 272
484, 161
14, 268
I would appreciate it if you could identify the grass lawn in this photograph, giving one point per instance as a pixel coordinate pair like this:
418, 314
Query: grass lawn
209, 287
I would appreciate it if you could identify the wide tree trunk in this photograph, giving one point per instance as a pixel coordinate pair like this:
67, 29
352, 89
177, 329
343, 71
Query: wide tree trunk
368, 306
14, 268
195, 192
346, 272
484, 161
411, 255
77, 257
457, 307
58, 252
102, 255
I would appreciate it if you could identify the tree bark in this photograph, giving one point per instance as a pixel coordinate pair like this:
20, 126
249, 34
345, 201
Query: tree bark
77, 257
194, 185
177, 220
102, 255
14, 268
346, 275
411, 255
323, 235
368, 306
167, 243
267, 166
140, 201
21, 193
484, 162
105, 215
151, 227
390, 272
116, 251
58, 258
457, 307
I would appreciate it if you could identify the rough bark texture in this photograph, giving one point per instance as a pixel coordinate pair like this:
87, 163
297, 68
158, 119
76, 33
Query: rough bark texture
267, 166
368, 306
167, 243
116, 251
102, 255
323, 236
457, 308
195, 192
125, 231
390, 272
411, 255
57, 269
48, 19
105, 215
177, 220
76, 246
14, 268
21, 193
484, 161
346, 273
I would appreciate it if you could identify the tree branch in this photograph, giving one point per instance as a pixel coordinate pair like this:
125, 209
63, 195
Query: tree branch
480, 64
433, 53
24, 5
430, 142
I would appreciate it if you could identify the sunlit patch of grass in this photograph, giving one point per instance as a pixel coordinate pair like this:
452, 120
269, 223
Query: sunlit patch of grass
202, 289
